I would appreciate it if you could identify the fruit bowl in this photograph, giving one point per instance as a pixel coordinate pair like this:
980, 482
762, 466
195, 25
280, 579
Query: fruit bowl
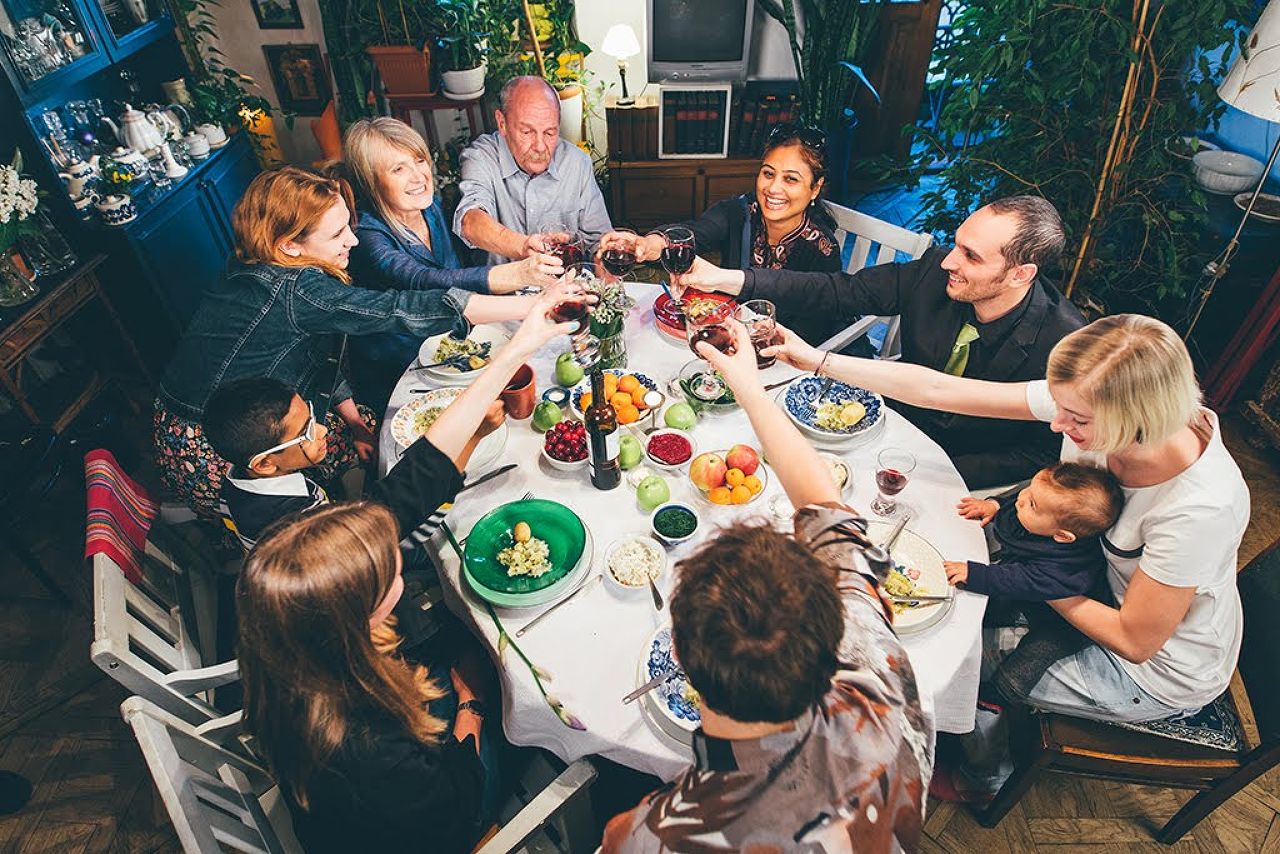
669, 431
584, 388
560, 433
697, 472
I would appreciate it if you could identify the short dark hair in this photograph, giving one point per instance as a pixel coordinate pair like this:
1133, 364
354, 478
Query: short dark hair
1096, 497
1040, 237
756, 622
243, 418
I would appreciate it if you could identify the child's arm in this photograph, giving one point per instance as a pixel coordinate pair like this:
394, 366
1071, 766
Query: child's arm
1029, 580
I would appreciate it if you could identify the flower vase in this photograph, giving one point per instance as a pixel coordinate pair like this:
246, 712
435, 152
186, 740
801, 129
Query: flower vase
15, 288
613, 344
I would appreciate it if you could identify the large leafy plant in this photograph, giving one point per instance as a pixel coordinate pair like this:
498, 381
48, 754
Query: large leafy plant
221, 94
1077, 101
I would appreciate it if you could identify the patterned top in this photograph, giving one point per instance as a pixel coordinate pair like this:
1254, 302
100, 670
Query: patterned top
807, 242
850, 775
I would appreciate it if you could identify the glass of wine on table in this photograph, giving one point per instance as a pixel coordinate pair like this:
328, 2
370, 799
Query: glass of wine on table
893, 469
706, 320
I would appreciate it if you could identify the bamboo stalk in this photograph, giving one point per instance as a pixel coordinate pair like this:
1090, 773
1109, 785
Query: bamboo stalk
1108, 163
382, 18
404, 22
533, 39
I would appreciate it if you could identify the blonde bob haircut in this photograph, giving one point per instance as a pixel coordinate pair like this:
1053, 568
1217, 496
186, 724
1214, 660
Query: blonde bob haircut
365, 149
1135, 372
286, 204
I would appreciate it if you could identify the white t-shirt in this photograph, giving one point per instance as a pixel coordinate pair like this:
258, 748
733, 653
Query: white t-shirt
1184, 532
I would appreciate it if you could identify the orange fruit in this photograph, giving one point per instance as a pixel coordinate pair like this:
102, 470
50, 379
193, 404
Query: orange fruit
740, 495
628, 384
628, 415
610, 383
720, 495
753, 483
734, 477
619, 399
637, 397
585, 401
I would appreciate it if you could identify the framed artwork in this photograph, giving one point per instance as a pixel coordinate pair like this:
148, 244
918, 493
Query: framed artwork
277, 14
300, 77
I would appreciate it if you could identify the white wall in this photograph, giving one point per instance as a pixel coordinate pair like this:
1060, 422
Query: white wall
242, 41
770, 51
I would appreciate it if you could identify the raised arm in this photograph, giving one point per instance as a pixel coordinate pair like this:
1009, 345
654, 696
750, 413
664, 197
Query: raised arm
913, 384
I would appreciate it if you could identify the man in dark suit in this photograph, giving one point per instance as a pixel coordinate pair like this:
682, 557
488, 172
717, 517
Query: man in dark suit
980, 309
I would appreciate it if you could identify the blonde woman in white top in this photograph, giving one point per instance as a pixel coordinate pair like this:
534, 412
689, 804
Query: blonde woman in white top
1123, 393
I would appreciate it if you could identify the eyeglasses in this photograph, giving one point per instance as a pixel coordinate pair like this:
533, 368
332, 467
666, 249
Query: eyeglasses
809, 137
308, 435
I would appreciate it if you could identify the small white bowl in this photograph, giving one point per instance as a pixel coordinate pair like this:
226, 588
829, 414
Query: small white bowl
649, 542
1226, 172
561, 464
674, 541
693, 448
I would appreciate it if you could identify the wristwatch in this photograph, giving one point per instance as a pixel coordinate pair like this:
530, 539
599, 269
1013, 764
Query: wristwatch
475, 707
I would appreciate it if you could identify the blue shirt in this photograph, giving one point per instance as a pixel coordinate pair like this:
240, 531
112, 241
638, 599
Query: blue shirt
386, 259
566, 193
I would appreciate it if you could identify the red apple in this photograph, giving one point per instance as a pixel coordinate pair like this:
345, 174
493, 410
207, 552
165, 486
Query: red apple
707, 471
743, 457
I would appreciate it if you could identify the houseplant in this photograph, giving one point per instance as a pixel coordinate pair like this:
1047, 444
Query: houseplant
462, 50
1076, 101
18, 203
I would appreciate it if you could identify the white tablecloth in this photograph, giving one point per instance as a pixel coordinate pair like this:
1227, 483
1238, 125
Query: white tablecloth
592, 645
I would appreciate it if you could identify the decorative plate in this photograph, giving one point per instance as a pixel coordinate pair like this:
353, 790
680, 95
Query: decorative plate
916, 558
670, 320
673, 704
800, 399
491, 335
405, 430
576, 393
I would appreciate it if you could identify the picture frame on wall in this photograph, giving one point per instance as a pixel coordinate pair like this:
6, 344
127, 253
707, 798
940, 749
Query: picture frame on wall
277, 14
300, 76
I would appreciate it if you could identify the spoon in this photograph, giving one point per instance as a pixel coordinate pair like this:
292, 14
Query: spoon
657, 597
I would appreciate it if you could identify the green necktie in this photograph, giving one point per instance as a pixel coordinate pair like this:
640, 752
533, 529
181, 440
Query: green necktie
959, 359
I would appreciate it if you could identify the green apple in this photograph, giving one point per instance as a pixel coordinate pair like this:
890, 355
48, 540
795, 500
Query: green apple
629, 451
568, 372
545, 415
680, 416
652, 492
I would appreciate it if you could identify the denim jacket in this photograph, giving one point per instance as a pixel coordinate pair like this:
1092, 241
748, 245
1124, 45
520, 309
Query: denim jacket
267, 320
384, 259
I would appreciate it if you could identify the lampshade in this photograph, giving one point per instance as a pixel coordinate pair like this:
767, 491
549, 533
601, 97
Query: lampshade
620, 42
1253, 83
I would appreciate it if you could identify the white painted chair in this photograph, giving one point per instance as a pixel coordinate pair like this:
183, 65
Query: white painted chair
216, 799
562, 803
889, 242
141, 640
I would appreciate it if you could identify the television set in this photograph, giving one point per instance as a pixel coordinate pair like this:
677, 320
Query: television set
699, 41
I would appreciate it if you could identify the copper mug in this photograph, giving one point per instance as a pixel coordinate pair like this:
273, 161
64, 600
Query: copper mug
520, 395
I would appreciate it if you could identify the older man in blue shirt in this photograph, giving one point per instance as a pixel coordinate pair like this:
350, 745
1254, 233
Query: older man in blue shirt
524, 180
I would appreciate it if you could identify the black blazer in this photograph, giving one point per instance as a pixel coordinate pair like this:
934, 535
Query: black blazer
987, 451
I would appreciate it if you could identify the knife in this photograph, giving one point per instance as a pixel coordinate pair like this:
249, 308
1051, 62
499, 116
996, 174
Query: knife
649, 686
780, 383
538, 619
490, 476
923, 597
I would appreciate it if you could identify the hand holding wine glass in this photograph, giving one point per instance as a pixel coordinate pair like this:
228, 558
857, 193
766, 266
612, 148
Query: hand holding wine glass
619, 251
736, 363
794, 351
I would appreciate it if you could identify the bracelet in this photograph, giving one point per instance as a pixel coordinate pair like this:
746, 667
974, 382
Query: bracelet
475, 707
817, 372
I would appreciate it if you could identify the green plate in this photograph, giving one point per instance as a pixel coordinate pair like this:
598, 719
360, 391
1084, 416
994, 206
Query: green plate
559, 526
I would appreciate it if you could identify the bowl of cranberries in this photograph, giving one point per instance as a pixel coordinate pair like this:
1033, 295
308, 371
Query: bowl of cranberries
566, 445
670, 448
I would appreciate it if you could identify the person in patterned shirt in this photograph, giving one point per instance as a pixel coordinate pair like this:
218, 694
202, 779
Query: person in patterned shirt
813, 737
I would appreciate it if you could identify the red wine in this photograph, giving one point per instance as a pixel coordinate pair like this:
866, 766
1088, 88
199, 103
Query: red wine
568, 253
569, 310
618, 262
760, 343
677, 258
891, 481
717, 336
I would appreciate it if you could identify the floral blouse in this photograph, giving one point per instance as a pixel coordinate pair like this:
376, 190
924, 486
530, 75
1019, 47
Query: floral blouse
807, 247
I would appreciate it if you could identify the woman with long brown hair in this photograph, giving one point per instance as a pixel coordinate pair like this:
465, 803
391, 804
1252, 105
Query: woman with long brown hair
370, 752
281, 312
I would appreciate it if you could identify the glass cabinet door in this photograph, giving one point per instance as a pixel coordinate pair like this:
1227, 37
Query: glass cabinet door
42, 36
125, 16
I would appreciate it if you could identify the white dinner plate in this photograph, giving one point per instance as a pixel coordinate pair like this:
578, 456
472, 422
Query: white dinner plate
405, 432
452, 376
912, 551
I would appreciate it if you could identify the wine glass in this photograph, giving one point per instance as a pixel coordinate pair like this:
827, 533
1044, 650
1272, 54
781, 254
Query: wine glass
707, 322
586, 347
893, 468
618, 252
562, 241
678, 253
759, 317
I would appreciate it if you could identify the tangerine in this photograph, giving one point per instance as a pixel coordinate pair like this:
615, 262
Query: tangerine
584, 402
628, 384
720, 495
620, 399
628, 415
753, 483
734, 477
740, 495
637, 397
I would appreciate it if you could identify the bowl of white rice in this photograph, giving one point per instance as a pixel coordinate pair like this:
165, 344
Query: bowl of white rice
631, 561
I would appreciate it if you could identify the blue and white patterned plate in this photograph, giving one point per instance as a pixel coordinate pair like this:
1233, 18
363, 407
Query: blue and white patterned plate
801, 398
675, 713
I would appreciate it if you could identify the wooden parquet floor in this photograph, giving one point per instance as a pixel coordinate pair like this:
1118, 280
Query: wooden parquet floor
60, 727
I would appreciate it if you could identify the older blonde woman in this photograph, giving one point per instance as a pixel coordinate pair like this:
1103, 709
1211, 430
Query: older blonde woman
1123, 391
405, 244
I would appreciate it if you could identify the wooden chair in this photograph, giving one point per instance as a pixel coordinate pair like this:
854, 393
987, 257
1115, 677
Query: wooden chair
217, 799
889, 241
1092, 749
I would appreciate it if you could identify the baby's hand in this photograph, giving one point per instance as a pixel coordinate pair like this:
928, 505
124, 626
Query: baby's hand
957, 571
981, 509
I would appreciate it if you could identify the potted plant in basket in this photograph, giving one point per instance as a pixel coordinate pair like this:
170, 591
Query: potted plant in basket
461, 51
404, 58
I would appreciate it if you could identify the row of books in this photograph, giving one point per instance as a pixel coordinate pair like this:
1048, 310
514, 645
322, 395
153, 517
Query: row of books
693, 121
633, 132
755, 116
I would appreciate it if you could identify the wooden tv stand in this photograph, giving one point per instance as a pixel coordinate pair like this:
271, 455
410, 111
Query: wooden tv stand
646, 193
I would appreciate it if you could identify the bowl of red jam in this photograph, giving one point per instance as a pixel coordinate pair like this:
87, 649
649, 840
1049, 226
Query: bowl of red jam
670, 448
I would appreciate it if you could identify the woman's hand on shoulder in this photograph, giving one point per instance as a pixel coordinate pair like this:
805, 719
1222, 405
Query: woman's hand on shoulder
795, 351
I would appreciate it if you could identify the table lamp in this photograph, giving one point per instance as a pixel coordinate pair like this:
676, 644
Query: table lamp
620, 42
1252, 86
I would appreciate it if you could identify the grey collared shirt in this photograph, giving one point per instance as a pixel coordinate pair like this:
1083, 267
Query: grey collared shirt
567, 193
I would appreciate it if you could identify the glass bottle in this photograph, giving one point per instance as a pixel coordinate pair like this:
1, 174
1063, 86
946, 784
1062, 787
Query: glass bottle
602, 433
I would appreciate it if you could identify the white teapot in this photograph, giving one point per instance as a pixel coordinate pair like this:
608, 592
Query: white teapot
214, 133
136, 130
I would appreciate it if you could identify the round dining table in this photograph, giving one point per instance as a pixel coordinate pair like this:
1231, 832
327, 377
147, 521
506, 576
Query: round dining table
591, 647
